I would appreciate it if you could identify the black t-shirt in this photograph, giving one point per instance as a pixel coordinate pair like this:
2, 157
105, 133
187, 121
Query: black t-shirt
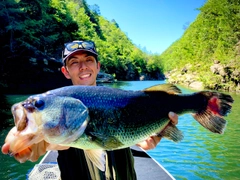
74, 165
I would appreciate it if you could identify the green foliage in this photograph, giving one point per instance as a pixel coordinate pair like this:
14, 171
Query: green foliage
38, 29
214, 35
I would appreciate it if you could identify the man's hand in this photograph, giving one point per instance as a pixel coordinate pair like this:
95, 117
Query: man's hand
152, 141
31, 153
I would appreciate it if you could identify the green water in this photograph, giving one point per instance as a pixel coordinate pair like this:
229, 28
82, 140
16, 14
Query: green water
201, 155
10, 168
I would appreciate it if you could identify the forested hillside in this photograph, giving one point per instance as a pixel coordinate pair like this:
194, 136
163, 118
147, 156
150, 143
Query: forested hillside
33, 32
32, 37
208, 54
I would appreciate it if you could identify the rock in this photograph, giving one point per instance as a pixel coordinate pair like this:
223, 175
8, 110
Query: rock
104, 78
186, 68
238, 88
216, 62
45, 61
142, 77
236, 73
33, 61
218, 69
196, 85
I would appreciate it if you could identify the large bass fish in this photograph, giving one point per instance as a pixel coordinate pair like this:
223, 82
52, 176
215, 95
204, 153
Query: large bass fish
97, 118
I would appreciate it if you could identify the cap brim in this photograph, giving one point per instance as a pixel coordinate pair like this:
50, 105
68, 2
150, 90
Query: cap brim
76, 51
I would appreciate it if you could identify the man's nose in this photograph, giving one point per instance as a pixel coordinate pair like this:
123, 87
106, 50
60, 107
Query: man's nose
82, 65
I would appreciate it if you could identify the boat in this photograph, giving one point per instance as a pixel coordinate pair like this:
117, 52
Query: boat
147, 168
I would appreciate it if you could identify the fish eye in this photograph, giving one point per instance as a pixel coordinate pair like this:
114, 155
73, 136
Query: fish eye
39, 103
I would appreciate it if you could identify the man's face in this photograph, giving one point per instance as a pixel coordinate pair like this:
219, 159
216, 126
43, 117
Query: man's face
82, 69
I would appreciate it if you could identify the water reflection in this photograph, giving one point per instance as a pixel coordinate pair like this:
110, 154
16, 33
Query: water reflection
5, 113
118, 85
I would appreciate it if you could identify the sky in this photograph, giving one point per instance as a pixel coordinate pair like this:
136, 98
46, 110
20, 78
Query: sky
153, 24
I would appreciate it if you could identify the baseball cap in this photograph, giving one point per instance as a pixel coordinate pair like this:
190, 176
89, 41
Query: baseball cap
77, 46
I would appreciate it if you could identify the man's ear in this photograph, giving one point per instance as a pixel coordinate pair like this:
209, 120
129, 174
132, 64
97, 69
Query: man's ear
98, 66
65, 72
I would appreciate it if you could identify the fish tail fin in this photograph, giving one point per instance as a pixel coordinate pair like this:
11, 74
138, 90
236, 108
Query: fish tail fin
218, 105
171, 132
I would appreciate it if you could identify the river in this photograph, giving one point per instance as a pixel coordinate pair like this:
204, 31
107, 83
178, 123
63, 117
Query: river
200, 155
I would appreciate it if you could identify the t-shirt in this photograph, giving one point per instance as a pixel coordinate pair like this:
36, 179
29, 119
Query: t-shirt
74, 165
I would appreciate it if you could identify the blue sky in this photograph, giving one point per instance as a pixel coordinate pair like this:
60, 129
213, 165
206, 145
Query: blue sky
154, 24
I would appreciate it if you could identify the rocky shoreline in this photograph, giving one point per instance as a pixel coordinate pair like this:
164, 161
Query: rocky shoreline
220, 77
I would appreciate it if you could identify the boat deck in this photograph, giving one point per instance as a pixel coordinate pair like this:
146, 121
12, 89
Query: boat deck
146, 167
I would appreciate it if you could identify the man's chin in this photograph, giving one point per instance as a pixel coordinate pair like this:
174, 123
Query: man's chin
86, 82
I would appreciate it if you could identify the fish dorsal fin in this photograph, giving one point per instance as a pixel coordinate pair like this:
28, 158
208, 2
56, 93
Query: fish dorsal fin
169, 88
98, 158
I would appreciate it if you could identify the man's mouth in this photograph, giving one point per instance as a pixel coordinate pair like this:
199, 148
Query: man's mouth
85, 76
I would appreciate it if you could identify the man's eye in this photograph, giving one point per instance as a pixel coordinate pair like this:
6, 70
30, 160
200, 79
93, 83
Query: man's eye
89, 60
73, 62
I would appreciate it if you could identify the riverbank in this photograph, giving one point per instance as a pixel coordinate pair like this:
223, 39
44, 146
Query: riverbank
220, 77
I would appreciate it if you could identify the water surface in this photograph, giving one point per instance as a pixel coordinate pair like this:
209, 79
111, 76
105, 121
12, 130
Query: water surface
201, 155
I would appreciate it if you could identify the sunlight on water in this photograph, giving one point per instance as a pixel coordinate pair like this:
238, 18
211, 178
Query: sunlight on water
201, 155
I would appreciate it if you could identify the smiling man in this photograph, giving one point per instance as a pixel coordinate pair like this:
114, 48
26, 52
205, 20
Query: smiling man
81, 65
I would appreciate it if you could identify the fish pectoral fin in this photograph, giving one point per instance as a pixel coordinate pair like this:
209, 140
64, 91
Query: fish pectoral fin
97, 157
105, 141
169, 88
171, 132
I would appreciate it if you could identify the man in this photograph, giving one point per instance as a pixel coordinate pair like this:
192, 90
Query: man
81, 65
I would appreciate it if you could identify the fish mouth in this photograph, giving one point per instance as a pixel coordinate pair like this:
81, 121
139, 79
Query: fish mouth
27, 131
19, 116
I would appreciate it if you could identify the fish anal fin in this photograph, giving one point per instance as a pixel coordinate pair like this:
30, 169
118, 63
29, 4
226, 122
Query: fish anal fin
97, 157
171, 132
169, 88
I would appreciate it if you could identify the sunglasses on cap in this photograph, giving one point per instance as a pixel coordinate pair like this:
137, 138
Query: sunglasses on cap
76, 46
